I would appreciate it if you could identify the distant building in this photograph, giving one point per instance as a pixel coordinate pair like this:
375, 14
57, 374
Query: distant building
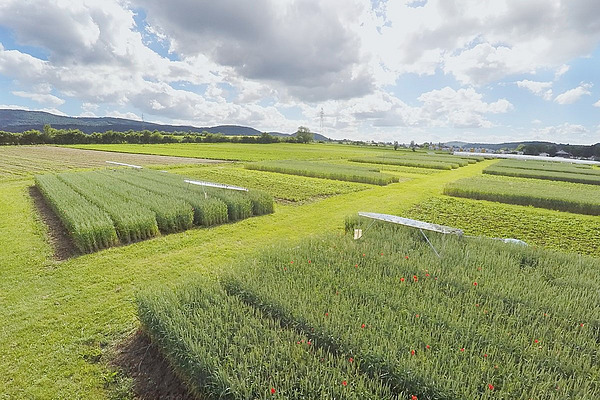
544, 155
563, 154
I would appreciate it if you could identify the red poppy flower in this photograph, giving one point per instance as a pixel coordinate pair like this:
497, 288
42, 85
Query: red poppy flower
401, 279
474, 283
477, 305
490, 386
285, 268
355, 265
362, 326
485, 355
381, 253
412, 352
413, 397
406, 257
351, 359
427, 347
364, 254
415, 278
344, 383
536, 341
308, 343
462, 349
416, 315
273, 390
327, 314
309, 261
427, 275
581, 325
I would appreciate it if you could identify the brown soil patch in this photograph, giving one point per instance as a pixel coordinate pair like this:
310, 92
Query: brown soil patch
57, 234
153, 377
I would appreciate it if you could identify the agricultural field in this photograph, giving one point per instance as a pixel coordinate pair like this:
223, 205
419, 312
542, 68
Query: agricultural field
536, 226
72, 326
290, 188
414, 324
565, 173
549, 166
562, 196
17, 162
102, 208
323, 170
245, 152
419, 160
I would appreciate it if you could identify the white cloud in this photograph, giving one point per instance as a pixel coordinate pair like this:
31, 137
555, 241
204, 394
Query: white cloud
118, 114
42, 98
572, 95
542, 89
560, 71
536, 121
563, 132
597, 104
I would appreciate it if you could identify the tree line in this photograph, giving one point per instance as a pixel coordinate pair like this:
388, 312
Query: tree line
578, 151
50, 135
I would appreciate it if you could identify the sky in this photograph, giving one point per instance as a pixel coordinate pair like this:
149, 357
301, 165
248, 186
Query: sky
424, 70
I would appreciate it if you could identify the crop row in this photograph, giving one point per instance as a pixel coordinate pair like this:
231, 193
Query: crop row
281, 186
571, 197
406, 162
324, 170
224, 348
89, 226
575, 177
539, 227
488, 320
137, 205
549, 166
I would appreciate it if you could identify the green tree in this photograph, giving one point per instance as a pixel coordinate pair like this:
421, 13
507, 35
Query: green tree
304, 135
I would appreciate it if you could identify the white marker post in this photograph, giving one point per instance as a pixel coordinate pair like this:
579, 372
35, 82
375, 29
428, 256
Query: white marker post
124, 165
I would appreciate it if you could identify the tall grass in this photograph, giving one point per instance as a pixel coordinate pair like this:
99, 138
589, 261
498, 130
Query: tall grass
571, 197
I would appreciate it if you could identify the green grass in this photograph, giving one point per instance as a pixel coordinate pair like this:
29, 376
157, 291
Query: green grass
562, 196
388, 295
246, 152
538, 227
406, 162
57, 314
338, 172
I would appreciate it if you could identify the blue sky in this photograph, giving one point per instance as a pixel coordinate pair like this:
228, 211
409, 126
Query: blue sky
470, 70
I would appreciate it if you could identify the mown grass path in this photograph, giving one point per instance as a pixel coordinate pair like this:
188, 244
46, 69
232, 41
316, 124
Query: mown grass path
58, 317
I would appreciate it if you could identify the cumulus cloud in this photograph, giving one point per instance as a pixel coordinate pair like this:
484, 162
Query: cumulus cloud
43, 98
597, 104
542, 89
480, 41
564, 131
572, 95
308, 47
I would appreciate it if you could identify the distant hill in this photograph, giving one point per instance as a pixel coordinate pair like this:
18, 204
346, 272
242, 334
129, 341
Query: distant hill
21, 120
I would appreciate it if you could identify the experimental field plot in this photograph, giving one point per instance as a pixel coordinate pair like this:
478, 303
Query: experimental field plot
563, 196
384, 317
554, 171
324, 170
419, 160
102, 208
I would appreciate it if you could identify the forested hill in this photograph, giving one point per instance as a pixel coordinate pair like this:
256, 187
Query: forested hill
22, 120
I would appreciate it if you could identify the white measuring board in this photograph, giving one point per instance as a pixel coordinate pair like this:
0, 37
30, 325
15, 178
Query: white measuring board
217, 185
124, 165
412, 223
